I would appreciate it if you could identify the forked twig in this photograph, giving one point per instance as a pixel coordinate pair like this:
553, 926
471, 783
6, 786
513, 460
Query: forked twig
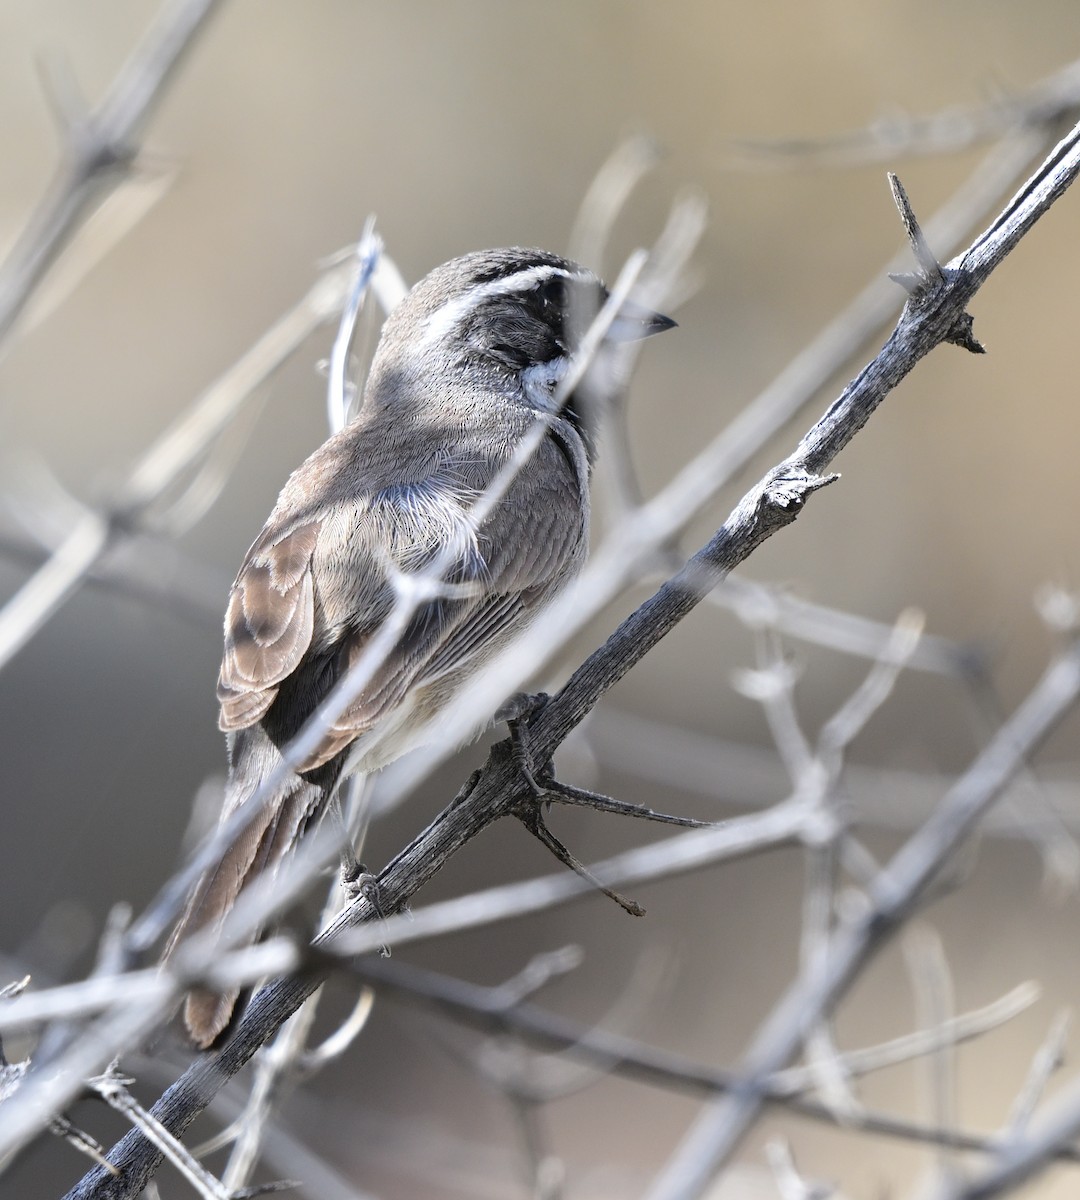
98, 146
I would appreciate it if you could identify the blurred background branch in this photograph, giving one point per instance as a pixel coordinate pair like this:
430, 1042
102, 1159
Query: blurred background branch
98, 145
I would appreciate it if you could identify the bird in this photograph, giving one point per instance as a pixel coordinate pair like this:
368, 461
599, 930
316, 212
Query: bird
465, 366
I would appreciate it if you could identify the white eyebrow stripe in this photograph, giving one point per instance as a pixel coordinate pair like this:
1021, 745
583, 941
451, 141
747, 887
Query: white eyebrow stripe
449, 315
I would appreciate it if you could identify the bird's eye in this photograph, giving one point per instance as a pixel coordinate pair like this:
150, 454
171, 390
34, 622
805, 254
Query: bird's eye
551, 293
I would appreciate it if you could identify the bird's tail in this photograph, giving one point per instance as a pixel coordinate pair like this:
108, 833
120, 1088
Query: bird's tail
265, 841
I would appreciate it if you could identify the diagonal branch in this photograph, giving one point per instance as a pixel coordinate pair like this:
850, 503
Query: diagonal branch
927, 320
632, 546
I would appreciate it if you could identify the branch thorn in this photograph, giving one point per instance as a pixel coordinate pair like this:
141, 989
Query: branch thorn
531, 817
908, 280
929, 268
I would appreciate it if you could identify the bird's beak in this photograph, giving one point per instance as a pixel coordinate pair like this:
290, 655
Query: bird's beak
634, 323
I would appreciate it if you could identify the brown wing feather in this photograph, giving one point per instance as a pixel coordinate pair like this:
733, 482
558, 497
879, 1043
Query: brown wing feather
268, 625
531, 540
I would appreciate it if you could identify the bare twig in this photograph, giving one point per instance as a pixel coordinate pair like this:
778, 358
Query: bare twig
731, 773
894, 895
1035, 812
932, 983
177, 451
78, 1139
728, 840
1050, 1058
620, 174
113, 1089
852, 717
158, 574
134, 1004
952, 1032
99, 145
286, 1060
71, 1001
1019, 1158
286, 1153
274, 1069
484, 1007
791, 1184
1047, 104
772, 685
341, 393
334, 1045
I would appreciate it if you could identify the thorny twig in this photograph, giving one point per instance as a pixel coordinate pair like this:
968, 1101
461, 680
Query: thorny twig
633, 542
113, 1089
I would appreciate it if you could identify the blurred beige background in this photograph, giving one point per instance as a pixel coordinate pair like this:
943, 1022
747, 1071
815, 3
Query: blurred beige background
478, 124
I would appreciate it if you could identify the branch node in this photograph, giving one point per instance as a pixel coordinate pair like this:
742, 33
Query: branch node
516, 712
961, 335
790, 490
365, 885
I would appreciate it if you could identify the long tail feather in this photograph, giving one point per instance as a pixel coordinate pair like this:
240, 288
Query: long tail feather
260, 849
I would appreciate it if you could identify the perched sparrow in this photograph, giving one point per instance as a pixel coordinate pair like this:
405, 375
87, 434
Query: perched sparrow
464, 366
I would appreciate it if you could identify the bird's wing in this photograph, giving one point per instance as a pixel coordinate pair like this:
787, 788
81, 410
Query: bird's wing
268, 623
277, 615
530, 537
